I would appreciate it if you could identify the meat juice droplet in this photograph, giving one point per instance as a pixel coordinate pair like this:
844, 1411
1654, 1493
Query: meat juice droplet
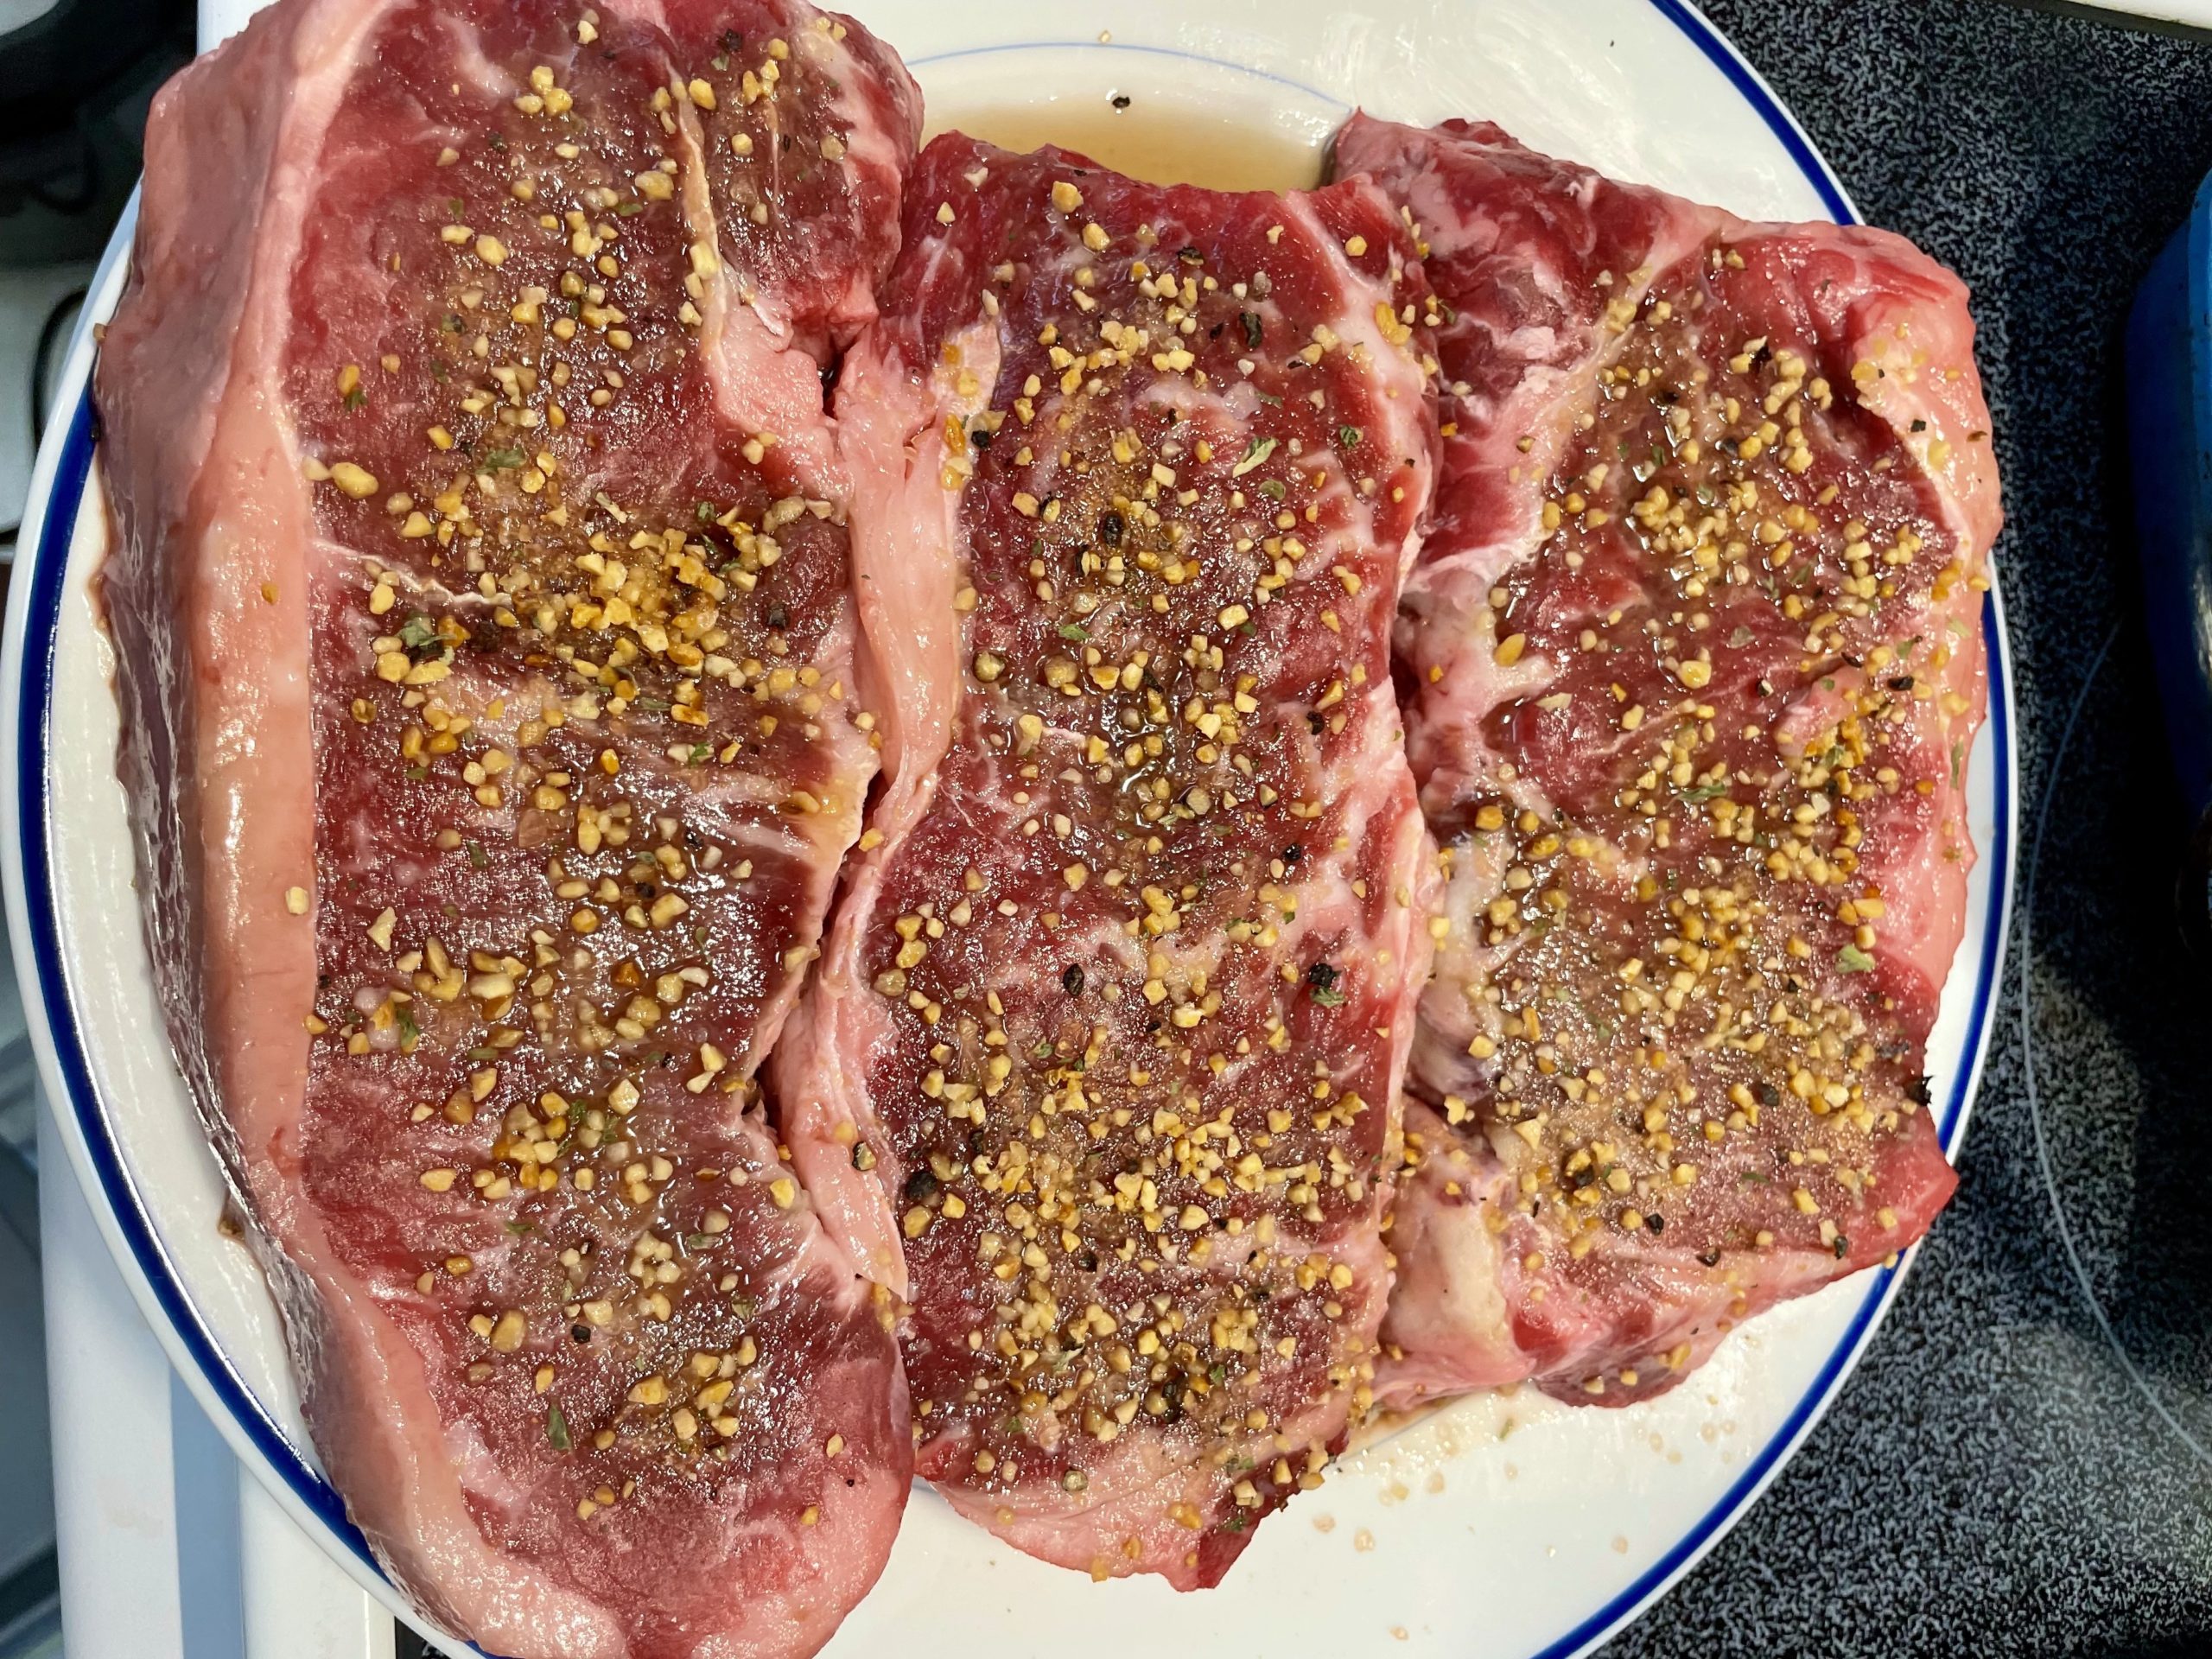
1162, 140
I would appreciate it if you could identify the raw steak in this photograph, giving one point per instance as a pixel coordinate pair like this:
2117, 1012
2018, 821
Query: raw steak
1692, 664
488, 668
1116, 1006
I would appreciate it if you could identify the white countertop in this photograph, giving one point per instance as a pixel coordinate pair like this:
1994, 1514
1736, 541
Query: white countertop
169, 1548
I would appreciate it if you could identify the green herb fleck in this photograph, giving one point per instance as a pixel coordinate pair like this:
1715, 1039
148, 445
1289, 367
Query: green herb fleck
1074, 631
419, 638
1852, 960
556, 1428
1349, 436
1260, 449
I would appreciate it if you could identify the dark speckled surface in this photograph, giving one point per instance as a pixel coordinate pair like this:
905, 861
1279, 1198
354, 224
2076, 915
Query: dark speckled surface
2005, 1474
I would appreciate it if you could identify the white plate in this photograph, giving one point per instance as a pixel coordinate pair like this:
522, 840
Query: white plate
2195, 14
1504, 1527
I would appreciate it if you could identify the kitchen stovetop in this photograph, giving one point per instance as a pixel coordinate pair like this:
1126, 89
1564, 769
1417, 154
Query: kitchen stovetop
2023, 1464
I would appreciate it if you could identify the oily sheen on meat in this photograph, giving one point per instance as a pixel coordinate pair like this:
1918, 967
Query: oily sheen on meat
1106, 1047
1694, 661
517, 653
488, 664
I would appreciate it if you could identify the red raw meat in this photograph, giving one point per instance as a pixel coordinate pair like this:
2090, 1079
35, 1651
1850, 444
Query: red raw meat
488, 664
1116, 1008
1692, 662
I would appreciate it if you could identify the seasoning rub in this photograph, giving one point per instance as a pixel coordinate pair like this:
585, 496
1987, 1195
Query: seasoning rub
1696, 658
1115, 1014
496, 738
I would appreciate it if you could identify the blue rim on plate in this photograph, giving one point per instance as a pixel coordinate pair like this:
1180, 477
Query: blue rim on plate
192, 1346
